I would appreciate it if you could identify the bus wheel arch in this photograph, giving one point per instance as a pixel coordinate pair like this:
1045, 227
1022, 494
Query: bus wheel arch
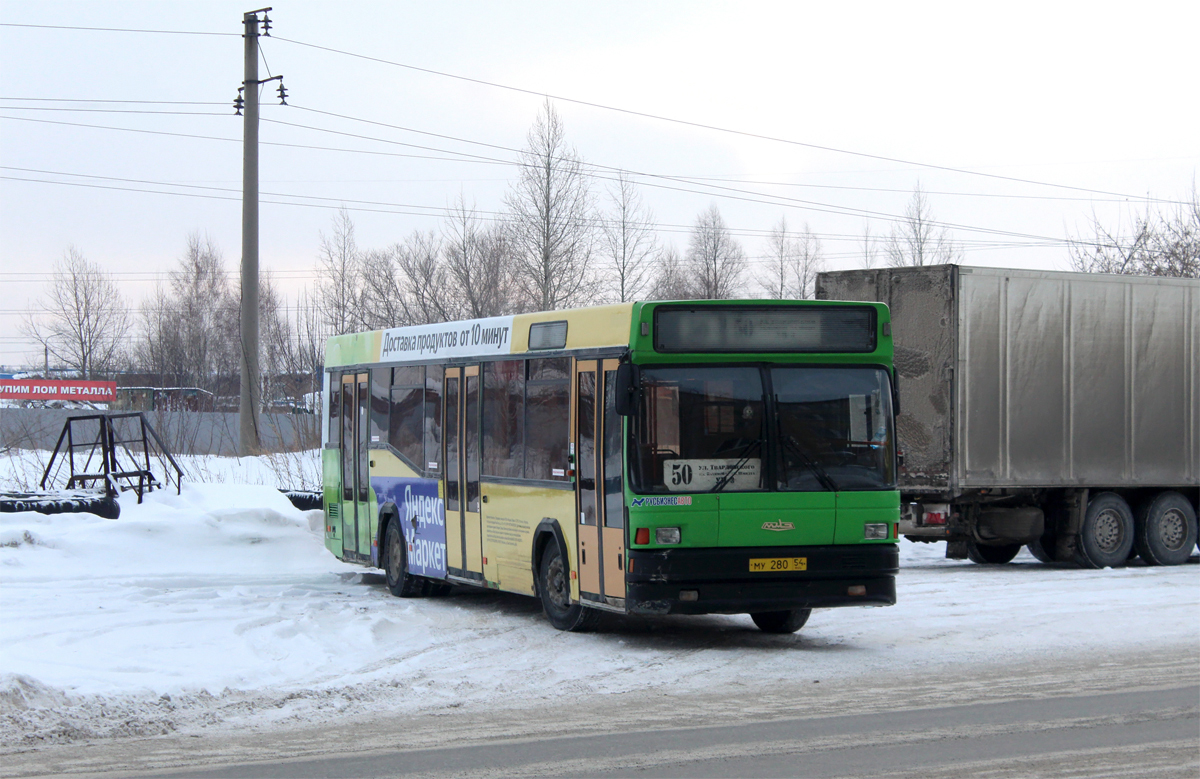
552, 579
394, 558
546, 533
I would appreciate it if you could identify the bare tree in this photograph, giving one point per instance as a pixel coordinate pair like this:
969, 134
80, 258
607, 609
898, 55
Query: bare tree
306, 352
918, 240
340, 283
276, 335
426, 282
84, 319
714, 258
870, 248
793, 262
628, 240
672, 280
380, 301
551, 212
207, 313
190, 330
478, 262
1157, 243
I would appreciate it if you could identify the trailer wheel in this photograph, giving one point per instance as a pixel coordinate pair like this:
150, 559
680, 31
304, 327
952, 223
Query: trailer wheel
1044, 549
554, 587
1106, 537
991, 555
399, 580
781, 621
1165, 529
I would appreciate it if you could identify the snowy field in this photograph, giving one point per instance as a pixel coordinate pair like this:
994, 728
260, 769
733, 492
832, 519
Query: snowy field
220, 609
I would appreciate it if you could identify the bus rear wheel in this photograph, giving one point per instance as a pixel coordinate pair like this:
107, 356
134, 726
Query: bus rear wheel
399, 581
554, 588
781, 621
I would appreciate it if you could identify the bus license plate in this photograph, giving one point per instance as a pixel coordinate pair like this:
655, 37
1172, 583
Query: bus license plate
769, 564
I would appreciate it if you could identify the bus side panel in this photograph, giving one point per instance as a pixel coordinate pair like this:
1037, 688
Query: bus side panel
421, 510
511, 514
331, 481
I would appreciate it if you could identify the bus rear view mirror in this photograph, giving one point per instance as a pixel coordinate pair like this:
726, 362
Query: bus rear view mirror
626, 389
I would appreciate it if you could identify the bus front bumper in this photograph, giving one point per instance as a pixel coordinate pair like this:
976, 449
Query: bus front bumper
719, 581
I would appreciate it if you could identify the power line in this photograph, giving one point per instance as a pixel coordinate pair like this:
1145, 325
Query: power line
720, 191
265, 143
115, 111
90, 100
617, 109
482, 214
117, 29
727, 179
701, 125
733, 179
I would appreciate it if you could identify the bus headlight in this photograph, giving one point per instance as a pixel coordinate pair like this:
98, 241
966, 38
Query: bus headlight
875, 530
666, 535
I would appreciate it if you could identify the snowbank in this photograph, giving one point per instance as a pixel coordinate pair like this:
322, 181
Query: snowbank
21, 469
221, 608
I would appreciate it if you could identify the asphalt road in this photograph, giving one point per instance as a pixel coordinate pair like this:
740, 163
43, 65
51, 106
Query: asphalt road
1148, 733
1069, 715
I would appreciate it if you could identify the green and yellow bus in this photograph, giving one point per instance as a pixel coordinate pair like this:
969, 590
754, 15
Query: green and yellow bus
645, 458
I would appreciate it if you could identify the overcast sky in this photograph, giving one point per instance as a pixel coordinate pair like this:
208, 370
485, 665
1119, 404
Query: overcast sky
1093, 104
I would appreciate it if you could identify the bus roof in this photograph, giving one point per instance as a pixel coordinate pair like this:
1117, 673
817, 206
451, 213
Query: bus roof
596, 327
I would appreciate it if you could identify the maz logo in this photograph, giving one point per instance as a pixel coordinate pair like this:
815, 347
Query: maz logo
778, 525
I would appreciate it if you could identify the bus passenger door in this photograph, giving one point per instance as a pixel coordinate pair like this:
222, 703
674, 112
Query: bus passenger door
452, 441
612, 482
472, 519
591, 568
464, 539
355, 513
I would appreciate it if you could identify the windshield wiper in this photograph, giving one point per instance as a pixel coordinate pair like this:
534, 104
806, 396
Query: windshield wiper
794, 447
750, 449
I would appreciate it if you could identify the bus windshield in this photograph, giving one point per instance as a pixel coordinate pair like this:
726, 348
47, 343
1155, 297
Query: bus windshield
834, 429
706, 429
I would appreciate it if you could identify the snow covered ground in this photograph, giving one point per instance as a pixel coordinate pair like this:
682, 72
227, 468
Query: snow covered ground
220, 608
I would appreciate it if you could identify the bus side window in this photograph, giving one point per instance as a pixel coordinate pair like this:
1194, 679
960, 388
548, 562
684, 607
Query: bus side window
433, 420
379, 405
504, 418
408, 414
547, 417
347, 437
335, 410
614, 491
452, 426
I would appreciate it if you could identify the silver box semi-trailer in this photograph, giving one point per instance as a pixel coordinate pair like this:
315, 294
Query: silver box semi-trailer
1057, 410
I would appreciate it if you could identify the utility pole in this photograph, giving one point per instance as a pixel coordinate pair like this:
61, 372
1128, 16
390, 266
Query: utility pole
251, 390
249, 401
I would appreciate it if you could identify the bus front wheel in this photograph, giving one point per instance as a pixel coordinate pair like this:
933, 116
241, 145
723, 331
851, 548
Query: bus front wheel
781, 621
399, 581
554, 588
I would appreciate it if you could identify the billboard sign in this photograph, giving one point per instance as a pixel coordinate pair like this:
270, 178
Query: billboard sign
58, 389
